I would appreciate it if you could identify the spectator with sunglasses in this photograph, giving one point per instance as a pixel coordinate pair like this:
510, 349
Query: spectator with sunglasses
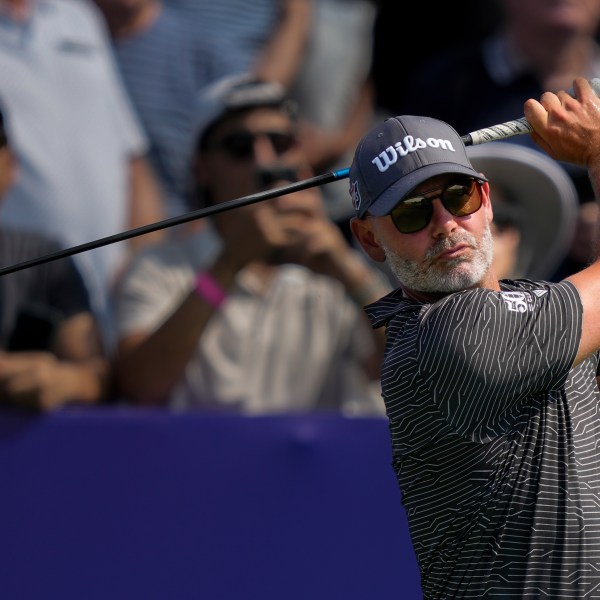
489, 385
265, 316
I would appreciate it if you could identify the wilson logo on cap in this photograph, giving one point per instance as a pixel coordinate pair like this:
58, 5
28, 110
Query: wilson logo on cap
391, 154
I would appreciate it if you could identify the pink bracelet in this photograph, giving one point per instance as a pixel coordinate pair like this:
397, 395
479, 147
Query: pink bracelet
209, 290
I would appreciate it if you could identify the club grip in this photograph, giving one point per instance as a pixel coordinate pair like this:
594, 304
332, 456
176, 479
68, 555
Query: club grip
497, 132
511, 128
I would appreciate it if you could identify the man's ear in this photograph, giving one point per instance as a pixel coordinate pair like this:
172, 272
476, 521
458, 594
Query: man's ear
486, 200
363, 233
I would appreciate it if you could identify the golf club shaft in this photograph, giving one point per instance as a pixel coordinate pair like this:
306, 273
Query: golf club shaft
489, 134
178, 220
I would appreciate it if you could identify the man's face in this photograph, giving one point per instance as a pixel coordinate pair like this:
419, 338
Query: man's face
244, 146
238, 153
449, 254
566, 15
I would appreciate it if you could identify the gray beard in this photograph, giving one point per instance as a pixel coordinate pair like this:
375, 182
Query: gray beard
456, 275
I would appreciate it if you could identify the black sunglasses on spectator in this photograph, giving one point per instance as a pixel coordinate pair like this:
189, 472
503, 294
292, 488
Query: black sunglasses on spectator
414, 213
240, 144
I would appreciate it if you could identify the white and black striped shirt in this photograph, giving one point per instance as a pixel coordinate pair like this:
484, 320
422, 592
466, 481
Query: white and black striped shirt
495, 440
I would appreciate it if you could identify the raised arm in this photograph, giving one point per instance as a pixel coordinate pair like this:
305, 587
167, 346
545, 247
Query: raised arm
568, 129
146, 201
281, 58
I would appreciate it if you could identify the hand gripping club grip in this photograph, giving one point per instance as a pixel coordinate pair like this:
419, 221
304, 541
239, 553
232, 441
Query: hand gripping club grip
510, 128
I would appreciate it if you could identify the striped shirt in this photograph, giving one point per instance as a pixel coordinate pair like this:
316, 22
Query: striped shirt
163, 68
244, 28
494, 440
45, 295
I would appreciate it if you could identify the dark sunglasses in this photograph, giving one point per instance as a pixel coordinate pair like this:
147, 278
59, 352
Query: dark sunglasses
414, 213
240, 144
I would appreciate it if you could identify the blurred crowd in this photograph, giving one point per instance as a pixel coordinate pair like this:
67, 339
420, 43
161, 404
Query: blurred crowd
118, 114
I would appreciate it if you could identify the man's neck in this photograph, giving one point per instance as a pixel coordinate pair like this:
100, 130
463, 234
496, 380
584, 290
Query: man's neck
490, 282
124, 24
424, 297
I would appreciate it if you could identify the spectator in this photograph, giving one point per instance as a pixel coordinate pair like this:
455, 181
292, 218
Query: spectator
270, 319
51, 353
335, 93
538, 46
447, 28
525, 184
80, 149
164, 60
320, 50
246, 34
584, 245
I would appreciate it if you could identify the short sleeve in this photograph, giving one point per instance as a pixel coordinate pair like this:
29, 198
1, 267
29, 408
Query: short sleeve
148, 292
482, 353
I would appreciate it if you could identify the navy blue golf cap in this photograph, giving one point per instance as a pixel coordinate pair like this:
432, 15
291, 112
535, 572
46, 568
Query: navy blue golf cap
398, 155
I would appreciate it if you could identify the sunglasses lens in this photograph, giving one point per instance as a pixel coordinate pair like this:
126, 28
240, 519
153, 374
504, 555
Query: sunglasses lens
414, 213
239, 145
460, 200
282, 142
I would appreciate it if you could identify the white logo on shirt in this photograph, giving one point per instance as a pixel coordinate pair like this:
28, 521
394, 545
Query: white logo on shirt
520, 301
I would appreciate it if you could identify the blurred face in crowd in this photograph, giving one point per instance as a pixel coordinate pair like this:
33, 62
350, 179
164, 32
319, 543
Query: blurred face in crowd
244, 153
506, 231
584, 246
251, 152
506, 250
449, 254
567, 15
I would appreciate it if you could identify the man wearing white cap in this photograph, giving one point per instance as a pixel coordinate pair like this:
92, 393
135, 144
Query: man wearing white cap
269, 317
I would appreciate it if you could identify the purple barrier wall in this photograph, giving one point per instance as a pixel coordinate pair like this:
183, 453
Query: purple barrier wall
129, 504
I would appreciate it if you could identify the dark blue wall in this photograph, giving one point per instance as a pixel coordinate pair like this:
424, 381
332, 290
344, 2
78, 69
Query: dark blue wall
114, 504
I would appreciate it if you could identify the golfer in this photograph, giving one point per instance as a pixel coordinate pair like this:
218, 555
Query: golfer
489, 385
